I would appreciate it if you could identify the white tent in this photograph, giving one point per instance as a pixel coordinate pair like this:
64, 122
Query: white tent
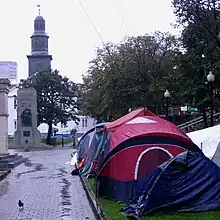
207, 139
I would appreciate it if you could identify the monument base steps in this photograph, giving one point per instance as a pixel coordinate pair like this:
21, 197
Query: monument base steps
10, 161
4, 173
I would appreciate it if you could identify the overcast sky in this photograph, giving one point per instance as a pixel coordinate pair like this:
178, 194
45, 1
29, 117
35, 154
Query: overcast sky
73, 39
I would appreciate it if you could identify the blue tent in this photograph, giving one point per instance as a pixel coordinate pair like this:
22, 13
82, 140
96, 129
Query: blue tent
90, 131
90, 138
189, 182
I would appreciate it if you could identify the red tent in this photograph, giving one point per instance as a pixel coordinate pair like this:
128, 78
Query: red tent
133, 114
133, 150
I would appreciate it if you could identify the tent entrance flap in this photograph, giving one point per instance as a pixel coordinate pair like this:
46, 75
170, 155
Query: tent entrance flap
155, 155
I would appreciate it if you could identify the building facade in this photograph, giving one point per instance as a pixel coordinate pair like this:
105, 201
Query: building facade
85, 123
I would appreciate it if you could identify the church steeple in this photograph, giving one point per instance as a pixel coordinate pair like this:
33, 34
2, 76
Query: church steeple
39, 38
39, 24
39, 60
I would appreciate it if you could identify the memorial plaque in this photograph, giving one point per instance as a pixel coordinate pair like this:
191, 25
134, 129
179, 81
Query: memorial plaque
26, 133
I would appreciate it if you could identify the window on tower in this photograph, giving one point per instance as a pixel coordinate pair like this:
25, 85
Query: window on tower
36, 26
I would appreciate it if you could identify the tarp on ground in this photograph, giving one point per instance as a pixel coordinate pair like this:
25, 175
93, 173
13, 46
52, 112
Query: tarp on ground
189, 182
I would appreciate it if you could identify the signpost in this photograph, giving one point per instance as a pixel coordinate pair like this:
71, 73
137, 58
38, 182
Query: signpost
184, 108
8, 70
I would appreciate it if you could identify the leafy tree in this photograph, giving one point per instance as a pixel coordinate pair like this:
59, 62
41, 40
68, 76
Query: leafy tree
202, 12
56, 98
130, 74
200, 39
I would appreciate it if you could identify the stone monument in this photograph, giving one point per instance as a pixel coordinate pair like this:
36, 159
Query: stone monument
27, 134
4, 89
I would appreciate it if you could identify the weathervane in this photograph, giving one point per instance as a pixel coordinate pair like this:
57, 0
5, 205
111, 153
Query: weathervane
38, 6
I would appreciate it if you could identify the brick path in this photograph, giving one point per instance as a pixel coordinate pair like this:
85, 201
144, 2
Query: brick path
46, 187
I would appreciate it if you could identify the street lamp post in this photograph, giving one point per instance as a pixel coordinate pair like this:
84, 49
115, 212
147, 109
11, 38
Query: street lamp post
167, 95
211, 79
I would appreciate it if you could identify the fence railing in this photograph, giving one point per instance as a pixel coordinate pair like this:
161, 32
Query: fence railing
190, 122
197, 123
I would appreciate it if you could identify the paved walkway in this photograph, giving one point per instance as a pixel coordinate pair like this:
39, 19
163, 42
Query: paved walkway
46, 187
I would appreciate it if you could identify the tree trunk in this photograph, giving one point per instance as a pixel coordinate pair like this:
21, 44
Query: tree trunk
204, 118
50, 128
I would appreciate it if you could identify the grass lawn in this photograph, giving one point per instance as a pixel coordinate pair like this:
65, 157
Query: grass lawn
10, 140
66, 141
59, 141
112, 211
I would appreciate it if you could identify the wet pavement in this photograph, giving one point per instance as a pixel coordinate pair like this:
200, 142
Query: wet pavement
46, 187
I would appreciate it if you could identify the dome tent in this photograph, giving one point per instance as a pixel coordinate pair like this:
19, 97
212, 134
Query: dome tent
133, 150
91, 151
87, 148
190, 182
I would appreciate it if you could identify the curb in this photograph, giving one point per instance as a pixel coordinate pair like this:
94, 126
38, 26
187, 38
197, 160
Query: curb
96, 207
4, 174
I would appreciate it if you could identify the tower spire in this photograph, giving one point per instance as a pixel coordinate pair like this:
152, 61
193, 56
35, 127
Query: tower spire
38, 6
39, 59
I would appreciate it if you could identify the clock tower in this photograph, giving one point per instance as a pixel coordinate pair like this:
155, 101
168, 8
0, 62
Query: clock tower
39, 59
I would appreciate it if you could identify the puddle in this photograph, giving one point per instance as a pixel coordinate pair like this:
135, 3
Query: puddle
56, 176
64, 203
62, 170
66, 210
64, 217
36, 168
59, 175
39, 167
65, 195
38, 177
